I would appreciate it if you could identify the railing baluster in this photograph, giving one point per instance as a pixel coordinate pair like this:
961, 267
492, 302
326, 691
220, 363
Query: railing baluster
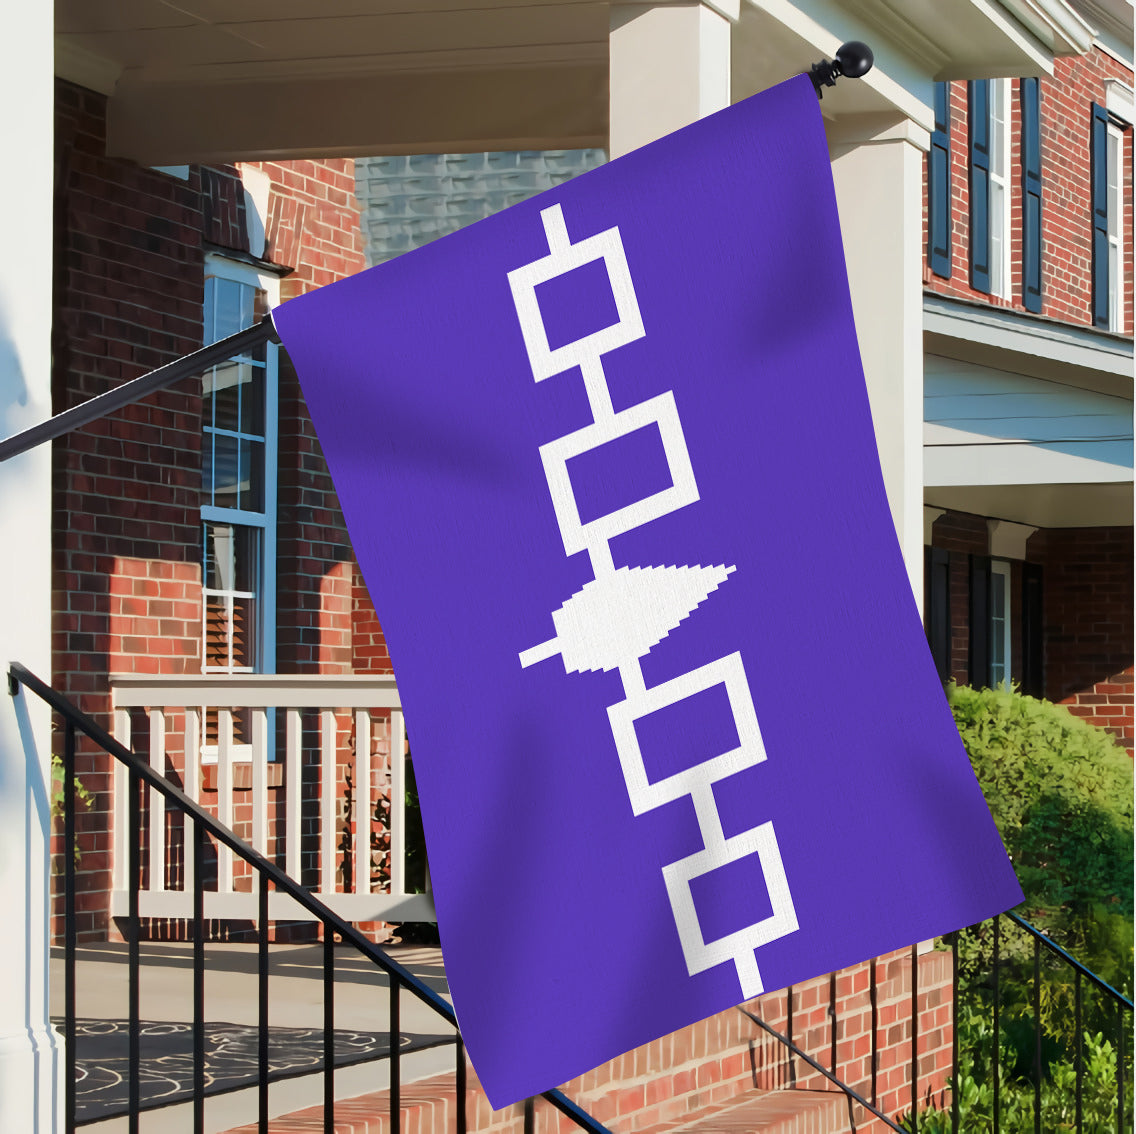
121, 855
328, 1030
997, 1059
134, 929
362, 802
193, 790
157, 802
260, 780
70, 933
262, 1009
395, 1057
327, 802
198, 977
832, 1022
1079, 1056
292, 771
914, 1038
397, 804
792, 1074
459, 1087
954, 1032
1036, 1036
873, 995
1120, 1057
225, 796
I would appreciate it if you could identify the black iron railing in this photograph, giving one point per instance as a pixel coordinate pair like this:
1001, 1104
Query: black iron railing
832, 1072
205, 827
1041, 1082
1026, 1026
793, 1049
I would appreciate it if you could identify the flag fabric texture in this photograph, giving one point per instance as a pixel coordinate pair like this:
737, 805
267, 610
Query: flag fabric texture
608, 467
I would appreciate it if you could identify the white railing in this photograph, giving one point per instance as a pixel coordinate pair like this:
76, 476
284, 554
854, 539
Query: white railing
362, 701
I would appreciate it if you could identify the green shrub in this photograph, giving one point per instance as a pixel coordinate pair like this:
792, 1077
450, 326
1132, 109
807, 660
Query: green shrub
1060, 792
1016, 1091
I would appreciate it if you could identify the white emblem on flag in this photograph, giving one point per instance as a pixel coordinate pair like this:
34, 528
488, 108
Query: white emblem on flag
618, 617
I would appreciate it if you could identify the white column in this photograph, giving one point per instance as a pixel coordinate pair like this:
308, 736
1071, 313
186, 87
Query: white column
669, 65
30, 1053
877, 165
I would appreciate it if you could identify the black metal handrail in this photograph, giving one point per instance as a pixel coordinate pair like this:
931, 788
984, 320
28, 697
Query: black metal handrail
1080, 972
206, 824
1069, 959
830, 1076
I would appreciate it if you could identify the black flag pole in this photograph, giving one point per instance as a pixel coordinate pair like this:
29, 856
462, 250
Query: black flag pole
185, 367
853, 60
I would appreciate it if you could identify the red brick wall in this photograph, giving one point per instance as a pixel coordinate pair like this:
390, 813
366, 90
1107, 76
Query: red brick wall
126, 575
129, 285
1088, 611
1076, 83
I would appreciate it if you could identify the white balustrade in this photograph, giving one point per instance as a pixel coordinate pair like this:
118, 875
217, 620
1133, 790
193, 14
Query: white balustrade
179, 705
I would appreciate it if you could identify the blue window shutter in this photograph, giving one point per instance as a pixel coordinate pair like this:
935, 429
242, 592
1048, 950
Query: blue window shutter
978, 114
939, 186
1098, 179
1031, 194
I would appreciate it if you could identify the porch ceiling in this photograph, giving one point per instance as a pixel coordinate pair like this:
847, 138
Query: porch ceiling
222, 79
1042, 506
201, 80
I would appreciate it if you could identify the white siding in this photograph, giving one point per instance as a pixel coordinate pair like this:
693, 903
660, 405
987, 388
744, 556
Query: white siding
985, 426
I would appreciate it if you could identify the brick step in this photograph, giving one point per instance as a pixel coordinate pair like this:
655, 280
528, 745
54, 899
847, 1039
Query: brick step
429, 1107
773, 1112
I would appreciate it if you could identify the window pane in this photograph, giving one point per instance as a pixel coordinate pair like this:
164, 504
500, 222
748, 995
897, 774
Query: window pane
231, 573
217, 619
252, 476
1113, 171
1113, 285
232, 307
232, 553
226, 395
997, 234
222, 472
252, 400
998, 628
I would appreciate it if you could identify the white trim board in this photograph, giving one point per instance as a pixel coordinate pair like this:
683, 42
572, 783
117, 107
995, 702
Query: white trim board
1022, 344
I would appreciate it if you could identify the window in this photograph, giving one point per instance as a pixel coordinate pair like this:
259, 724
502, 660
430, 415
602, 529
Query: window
1000, 104
1115, 229
1000, 622
1107, 151
989, 115
238, 459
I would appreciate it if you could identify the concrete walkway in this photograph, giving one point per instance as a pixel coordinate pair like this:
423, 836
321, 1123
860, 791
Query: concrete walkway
295, 1001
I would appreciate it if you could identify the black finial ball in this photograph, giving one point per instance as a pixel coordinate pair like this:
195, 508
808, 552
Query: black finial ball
855, 59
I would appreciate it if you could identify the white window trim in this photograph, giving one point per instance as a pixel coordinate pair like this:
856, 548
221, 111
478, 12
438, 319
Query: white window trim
218, 266
1116, 234
1001, 282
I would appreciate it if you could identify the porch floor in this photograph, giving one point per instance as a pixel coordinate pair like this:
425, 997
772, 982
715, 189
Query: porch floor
295, 1019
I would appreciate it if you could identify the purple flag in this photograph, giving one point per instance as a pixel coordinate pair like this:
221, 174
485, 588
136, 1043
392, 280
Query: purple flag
608, 467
